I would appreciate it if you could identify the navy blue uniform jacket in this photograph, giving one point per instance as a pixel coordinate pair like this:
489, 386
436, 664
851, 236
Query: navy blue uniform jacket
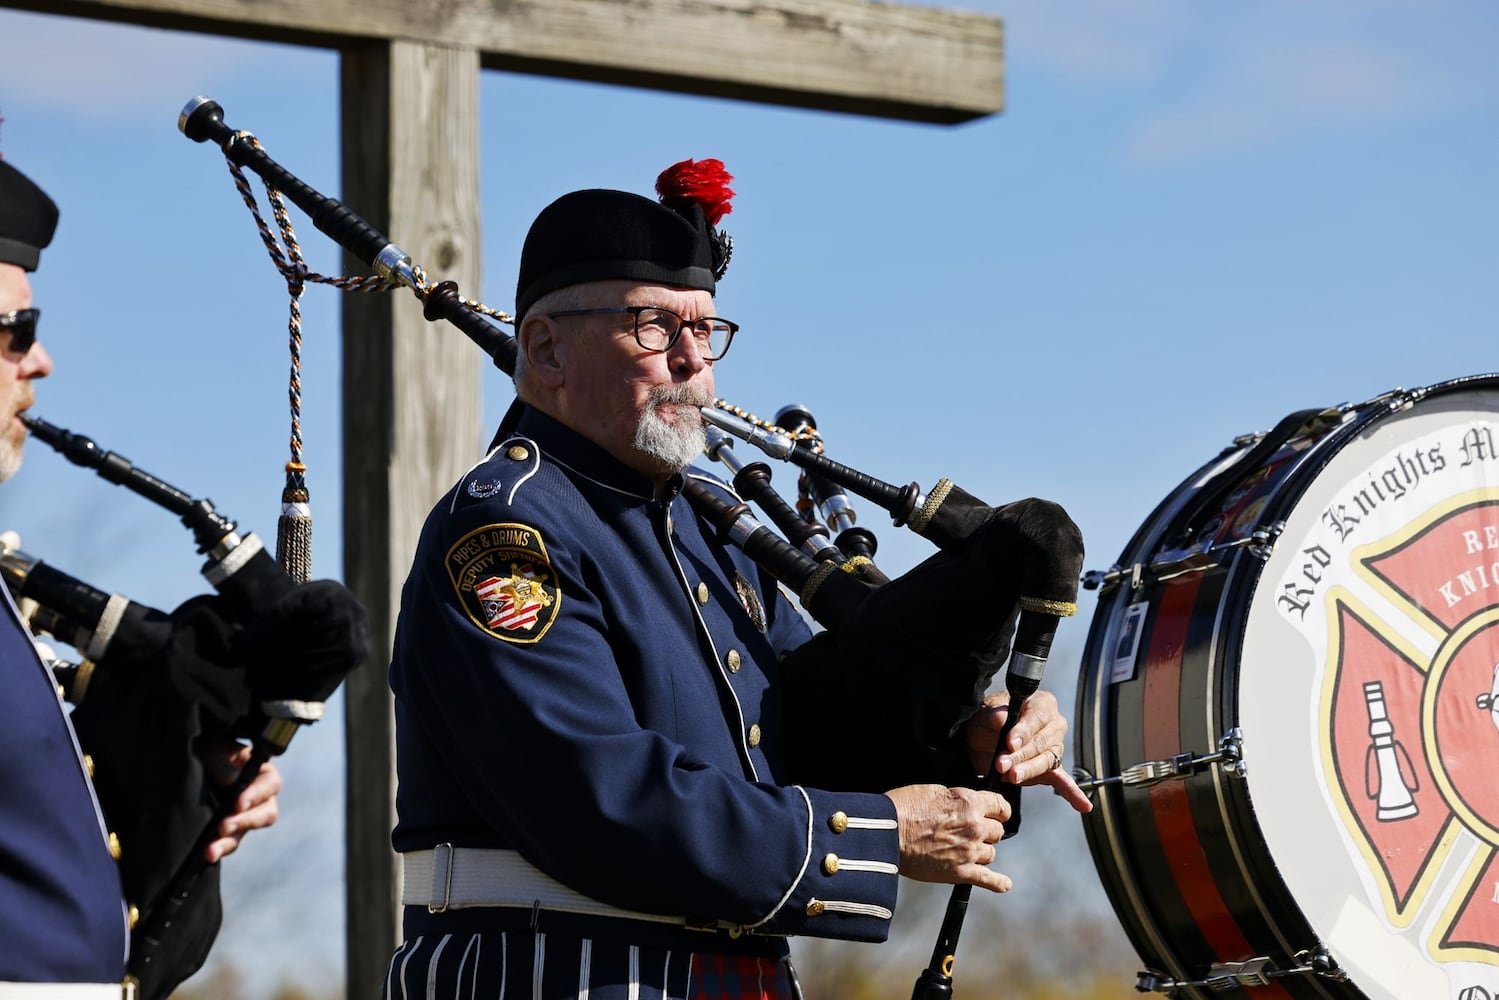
62, 913
585, 675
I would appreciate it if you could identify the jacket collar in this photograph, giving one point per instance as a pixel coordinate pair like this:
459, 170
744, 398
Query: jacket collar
567, 447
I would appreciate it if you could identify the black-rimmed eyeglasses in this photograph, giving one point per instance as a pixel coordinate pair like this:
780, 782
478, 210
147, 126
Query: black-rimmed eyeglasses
657, 330
21, 325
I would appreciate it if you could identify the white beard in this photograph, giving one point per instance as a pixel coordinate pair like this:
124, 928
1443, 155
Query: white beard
12, 433
10, 454
676, 445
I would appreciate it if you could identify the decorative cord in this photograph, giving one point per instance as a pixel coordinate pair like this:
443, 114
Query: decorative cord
294, 530
294, 527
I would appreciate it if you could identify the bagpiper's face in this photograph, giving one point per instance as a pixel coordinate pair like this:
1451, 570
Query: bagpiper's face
17, 369
617, 393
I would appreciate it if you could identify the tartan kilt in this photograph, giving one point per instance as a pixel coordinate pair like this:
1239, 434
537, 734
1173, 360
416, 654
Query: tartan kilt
526, 965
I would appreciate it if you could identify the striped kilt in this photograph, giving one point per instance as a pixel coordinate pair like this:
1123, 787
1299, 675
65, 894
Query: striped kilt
522, 965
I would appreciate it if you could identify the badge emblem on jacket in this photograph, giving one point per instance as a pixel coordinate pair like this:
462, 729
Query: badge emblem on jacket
750, 600
504, 580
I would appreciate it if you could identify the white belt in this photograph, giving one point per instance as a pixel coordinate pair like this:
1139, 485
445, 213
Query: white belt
456, 878
68, 991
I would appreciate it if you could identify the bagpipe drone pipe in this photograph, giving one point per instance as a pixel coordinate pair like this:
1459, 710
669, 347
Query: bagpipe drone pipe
925, 645
252, 662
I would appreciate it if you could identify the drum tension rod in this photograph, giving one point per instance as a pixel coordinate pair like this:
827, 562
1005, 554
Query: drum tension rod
1179, 562
1238, 975
1230, 755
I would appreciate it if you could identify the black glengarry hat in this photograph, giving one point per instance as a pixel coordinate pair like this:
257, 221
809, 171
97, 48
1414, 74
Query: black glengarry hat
27, 219
600, 235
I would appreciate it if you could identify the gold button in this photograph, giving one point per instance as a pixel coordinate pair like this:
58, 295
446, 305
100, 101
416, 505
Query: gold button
114, 847
518, 453
838, 822
733, 660
754, 734
135, 915
815, 908
702, 593
88, 764
830, 864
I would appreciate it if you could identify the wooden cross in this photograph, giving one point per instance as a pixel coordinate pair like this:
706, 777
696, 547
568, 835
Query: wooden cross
409, 84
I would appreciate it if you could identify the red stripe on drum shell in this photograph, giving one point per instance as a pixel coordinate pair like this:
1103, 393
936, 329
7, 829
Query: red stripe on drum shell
1180, 841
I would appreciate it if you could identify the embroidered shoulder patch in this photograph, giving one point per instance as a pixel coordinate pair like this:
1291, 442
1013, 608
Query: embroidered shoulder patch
505, 582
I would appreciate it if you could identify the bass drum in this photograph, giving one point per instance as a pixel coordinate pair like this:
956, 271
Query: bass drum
1289, 710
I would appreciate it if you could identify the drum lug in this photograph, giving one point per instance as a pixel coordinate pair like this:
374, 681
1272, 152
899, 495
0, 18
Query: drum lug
1229, 755
1397, 399
1260, 543
1259, 971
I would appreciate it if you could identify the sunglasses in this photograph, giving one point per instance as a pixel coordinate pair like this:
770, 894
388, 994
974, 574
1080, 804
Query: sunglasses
21, 325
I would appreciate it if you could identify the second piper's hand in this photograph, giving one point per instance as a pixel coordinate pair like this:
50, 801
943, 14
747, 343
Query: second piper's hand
1040, 732
255, 809
950, 835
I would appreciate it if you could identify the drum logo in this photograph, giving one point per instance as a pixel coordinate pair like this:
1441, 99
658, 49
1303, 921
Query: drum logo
1410, 721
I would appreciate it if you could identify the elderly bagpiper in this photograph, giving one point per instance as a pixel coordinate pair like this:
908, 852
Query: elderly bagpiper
602, 710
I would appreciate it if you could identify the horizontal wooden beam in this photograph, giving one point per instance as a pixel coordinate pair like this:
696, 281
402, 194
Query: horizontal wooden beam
886, 60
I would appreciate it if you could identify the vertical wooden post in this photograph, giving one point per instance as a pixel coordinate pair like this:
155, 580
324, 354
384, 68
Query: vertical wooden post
411, 405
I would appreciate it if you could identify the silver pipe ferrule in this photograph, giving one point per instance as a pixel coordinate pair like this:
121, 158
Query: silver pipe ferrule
394, 264
744, 528
838, 513
774, 445
1027, 666
720, 448
15, 567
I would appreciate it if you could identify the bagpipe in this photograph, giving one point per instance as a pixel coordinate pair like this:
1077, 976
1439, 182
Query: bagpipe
252, 663
1000, 573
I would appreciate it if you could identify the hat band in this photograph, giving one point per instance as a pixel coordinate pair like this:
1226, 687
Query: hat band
23, 255
587, 271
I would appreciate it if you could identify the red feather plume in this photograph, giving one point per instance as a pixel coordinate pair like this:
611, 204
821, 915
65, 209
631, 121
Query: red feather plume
701, 182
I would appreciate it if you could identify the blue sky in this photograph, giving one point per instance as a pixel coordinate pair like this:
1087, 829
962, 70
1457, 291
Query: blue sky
1190, 220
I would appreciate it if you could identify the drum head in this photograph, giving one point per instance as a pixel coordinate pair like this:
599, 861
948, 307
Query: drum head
1369, 699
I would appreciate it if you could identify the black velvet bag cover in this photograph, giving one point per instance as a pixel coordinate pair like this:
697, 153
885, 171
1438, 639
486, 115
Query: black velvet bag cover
180, 679
145, 711
915, 663
304, 645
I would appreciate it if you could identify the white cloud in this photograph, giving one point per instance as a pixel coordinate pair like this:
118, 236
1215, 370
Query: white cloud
98, 70
1093, 41
1218, 79
1270, 86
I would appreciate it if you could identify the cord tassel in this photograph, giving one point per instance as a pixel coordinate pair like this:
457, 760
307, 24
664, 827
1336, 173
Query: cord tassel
294, 527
